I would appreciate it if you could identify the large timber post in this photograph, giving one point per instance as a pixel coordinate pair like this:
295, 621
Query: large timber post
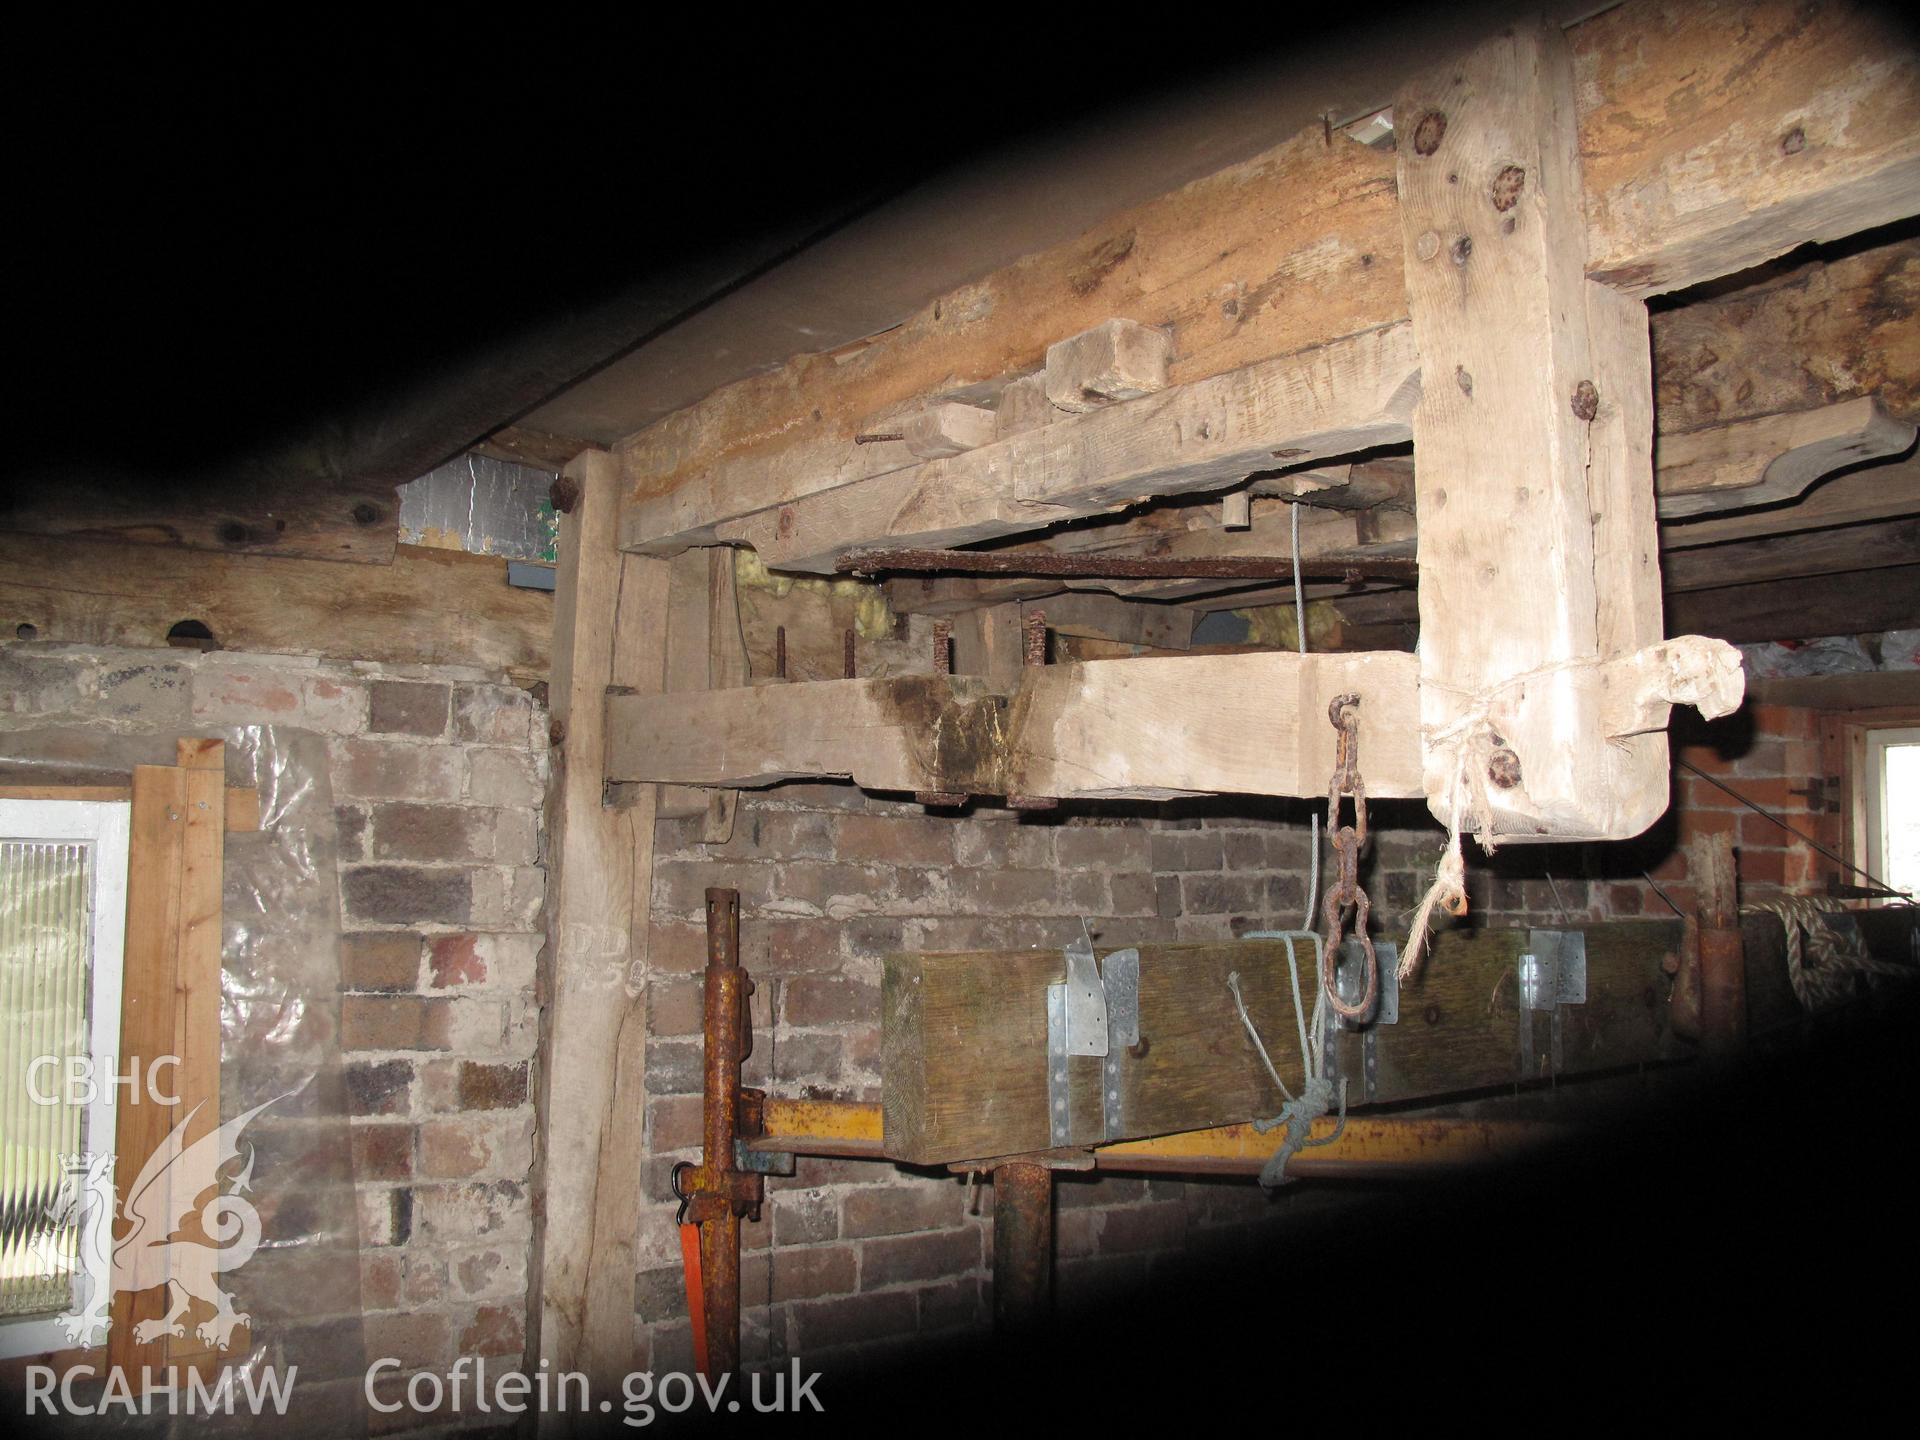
1534, 441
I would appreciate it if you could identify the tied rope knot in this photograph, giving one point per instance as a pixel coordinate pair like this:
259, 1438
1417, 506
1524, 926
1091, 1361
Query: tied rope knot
1474, 743
1317, 1093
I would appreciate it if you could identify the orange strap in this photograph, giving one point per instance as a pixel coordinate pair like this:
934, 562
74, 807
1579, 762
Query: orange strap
696, 1294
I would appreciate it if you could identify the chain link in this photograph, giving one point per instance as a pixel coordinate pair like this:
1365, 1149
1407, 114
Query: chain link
1345, 894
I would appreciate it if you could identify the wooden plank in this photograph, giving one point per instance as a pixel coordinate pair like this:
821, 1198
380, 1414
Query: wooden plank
340, 521
196, 1023
1772, 457
1804, 608
1534, 432
155, 863
1687, 118
1350, 395
240, 805
430, 607
598, 907
1105, 617
1878, 491
964, 1058
1784, 557
1151, 726
990, 642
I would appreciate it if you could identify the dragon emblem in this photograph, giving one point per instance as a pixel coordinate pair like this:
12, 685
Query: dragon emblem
152, 1251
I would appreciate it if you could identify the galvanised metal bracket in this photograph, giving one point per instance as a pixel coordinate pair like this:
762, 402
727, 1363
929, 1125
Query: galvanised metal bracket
1552, 973
1350, 978
1094, 1011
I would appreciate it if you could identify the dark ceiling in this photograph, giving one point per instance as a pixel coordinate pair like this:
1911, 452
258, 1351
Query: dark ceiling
344, 254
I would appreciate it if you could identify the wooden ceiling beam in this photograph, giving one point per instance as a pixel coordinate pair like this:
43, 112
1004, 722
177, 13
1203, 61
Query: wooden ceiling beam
1795, 127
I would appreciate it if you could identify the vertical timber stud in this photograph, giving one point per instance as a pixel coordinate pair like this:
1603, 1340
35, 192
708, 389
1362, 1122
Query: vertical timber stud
1534, 438
592, 1098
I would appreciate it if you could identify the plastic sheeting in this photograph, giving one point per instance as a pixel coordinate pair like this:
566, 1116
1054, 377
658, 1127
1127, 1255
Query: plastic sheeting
279, 1047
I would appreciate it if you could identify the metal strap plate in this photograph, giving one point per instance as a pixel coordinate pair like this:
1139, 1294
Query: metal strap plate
1120, 973
1553, 969
1059, 1098
1086, 1001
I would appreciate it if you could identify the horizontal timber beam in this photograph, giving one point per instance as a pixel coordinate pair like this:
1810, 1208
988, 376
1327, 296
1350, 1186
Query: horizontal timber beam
1712, 137
1158, 726
1142, 728
429, 607
1353, 394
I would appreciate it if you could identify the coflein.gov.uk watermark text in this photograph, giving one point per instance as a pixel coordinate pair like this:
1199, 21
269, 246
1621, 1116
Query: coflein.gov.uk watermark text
467, 1388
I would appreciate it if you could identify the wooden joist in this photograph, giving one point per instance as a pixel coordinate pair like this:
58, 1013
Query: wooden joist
964, 1038
1714, 136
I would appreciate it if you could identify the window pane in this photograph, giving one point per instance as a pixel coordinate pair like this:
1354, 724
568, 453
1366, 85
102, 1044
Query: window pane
45, 951
1900, 817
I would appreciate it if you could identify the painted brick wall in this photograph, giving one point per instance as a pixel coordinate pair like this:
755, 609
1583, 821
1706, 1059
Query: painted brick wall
437, 779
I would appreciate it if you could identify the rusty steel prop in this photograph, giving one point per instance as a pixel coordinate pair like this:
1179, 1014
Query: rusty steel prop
716, 1194
1348, 841
1022, 1247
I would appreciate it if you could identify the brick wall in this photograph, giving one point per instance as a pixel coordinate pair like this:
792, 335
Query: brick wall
854, 1260
437, 778
1776, 757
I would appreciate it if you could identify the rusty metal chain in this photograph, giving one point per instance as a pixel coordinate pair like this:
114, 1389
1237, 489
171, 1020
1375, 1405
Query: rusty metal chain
1348, 841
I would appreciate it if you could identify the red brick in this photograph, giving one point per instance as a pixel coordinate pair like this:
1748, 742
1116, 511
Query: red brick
456, 960
896, 840
898, 1210
828, 1000
674, 1122
848, 1320
1763, 867
492, 1087
380, 961
919, 1257
794, 945
496, 1330
407, 831
1145, 1227
676, 948
382, 1152
1782, 722
453, 1150
399, 707
414, 1338
380, 1276
805, 1272
395, 1022
675, 1006
1626, 900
